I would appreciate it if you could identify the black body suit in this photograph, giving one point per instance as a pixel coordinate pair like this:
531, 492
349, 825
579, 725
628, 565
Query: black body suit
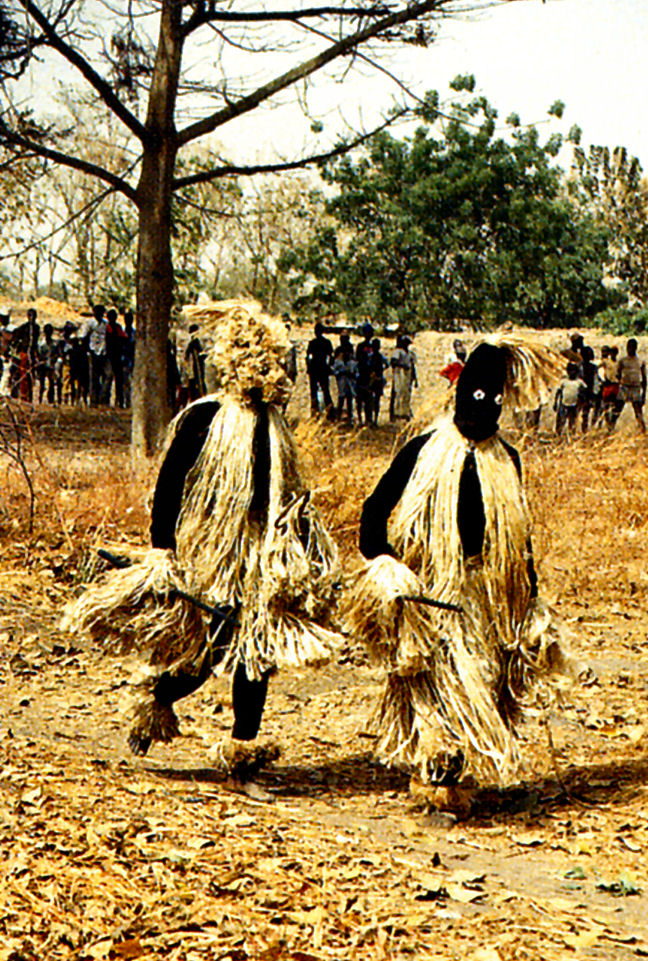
470, 510
248, 696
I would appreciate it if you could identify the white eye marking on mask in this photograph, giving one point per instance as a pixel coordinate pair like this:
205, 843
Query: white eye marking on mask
498, 399
479, 394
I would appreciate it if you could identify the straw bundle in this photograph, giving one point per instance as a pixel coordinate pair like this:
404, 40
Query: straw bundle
246, 534
533, 370
456, 680
280, 568
137, 610
540, 662
249, 349
400, 635
425, 529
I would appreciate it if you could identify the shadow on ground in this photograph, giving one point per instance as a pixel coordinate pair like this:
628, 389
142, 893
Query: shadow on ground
591, 785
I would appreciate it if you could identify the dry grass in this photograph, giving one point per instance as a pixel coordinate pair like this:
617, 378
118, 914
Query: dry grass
590, 505
107, 857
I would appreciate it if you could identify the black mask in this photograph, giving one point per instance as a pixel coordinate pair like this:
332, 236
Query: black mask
480, 388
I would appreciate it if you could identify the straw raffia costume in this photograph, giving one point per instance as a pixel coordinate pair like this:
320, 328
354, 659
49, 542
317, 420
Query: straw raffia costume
449, 522
233, 527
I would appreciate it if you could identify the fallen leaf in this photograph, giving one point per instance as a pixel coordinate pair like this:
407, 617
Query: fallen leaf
486, 954
624, 887
582, 939
463, 894
127, 949
630, 845
636, 733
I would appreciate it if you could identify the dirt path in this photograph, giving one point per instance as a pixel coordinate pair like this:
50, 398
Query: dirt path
108, 856
157, 857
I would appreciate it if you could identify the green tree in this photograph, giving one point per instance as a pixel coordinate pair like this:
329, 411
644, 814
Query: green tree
610, 184
453, 226
140, 60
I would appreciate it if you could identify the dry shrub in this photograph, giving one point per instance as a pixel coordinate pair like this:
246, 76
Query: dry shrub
589, 501
86, 487
343, 467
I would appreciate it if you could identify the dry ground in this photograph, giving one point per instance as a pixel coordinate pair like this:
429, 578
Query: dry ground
107, 856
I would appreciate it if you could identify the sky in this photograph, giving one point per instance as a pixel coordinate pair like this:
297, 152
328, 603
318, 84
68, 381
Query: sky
525, 55
592, 54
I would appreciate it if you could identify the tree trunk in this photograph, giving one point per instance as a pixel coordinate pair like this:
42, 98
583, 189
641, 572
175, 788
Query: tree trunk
151, 409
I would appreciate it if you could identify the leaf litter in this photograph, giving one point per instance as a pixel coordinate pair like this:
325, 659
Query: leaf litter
105, 856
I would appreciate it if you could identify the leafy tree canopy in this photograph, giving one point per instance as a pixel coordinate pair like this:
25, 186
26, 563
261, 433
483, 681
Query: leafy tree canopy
457, 223
611, 185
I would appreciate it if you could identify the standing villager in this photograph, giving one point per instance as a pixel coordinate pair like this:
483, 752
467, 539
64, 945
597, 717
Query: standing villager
378, 364
115, 339
403, 364
96, 335
364, 397
609, 374
592, 381
128, 355
319, 355
570, 397
632, 385
232, 525
79, 370
46, 353
6, 337
26, 338
449, 523
65, 352
345, 371
455, 362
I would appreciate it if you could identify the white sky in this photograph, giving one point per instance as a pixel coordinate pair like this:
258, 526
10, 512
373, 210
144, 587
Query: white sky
592, 54
525, 54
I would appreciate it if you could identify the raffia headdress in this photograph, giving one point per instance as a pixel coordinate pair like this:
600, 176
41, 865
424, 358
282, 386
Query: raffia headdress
533, 370
249, 349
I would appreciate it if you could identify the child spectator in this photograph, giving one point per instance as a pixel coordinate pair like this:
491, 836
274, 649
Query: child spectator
569, 397
345, 371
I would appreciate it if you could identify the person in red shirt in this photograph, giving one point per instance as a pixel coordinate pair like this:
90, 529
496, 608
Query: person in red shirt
452, 370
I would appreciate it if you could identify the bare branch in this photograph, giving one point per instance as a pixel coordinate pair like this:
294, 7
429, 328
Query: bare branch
208, 13
13, 448
93, 202
228, 170
8, 136
102, 87
339, 49
372, 63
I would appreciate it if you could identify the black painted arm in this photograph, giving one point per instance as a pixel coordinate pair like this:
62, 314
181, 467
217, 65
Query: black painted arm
389, 490
182, 454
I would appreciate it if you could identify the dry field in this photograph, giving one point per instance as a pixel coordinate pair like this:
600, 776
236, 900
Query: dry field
108, 856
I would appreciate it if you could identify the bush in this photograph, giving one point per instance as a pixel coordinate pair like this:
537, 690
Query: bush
621, 320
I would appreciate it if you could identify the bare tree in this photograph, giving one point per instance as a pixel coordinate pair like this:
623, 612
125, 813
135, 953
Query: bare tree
151, 61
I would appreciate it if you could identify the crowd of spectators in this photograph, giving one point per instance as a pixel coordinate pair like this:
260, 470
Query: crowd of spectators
93, 365
360, 375
594, 392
